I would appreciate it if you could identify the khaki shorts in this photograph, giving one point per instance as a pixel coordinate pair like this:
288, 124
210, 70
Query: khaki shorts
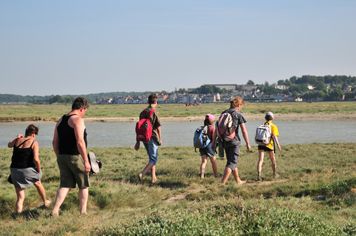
72, 168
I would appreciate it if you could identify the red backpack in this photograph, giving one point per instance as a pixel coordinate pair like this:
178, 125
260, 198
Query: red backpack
144, 127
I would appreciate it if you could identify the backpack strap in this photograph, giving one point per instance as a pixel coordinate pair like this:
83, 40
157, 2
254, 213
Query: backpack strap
151, 112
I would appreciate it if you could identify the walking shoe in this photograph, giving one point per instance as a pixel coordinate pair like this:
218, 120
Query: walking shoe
276, 175
259, 178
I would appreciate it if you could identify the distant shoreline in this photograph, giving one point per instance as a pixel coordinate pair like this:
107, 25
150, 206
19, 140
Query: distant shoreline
249, 117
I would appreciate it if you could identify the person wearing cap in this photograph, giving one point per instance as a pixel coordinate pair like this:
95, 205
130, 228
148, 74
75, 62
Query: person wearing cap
208, 151
269, 148
232, 148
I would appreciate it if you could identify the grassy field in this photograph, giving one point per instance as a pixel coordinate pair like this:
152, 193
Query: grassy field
183, 204
53, 112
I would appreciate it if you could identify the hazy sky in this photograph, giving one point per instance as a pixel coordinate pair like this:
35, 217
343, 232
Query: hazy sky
81, 47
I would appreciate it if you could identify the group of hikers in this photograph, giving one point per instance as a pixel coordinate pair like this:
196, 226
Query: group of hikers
70, 146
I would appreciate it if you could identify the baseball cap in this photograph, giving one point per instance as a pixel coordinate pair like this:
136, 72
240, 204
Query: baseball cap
209, 116
270, 114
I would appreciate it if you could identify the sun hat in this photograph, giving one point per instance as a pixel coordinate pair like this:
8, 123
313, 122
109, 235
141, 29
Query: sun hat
95, 164
270, 114
209, 116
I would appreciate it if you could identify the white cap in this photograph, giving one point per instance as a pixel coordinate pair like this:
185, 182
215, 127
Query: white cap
270, 114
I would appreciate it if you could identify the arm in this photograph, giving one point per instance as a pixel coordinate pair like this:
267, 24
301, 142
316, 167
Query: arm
159, 135
277, 142
245, 135
55, 142
36, 158
213, 141
11, 144
137, 145
78, 125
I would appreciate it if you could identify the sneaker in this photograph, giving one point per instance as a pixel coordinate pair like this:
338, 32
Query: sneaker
259, 178
276, 175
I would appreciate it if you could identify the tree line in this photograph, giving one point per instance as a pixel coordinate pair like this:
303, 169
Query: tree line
295, 86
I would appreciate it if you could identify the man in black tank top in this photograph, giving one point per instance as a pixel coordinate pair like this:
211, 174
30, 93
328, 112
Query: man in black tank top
69, 144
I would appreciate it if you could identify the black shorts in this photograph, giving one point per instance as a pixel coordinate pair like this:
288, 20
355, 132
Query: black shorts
264, 148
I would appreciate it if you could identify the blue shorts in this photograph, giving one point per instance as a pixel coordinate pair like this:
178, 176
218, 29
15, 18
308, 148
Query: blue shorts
207, 151
152, 151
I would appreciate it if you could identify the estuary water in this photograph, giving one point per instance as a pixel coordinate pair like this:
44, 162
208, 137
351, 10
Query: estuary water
181, 133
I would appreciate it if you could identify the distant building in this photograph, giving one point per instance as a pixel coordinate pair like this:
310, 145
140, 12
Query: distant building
224, 86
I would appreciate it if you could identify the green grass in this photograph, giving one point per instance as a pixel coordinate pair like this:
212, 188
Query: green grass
118, 205
54, 112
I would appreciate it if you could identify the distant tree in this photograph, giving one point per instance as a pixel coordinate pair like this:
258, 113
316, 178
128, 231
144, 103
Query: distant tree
293, 79
266, 84
287, 83
336, 95
320, 86
280, 82
295, 94
250, 82
56, 99
319, 94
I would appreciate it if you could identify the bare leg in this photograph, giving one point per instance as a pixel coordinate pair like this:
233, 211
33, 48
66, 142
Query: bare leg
148, 167
202, 166
20, 192
41, 191
261, 155
83, 200
215, 167
227, 173
61, 195
153, 174
235, 173
273, 160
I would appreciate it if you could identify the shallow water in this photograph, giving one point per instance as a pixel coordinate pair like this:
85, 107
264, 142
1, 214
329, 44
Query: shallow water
181, 133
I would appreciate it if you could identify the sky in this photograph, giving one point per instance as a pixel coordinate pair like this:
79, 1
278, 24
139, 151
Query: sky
82, 47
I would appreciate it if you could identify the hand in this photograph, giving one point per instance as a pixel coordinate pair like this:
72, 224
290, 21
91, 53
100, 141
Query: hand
248, 147
87, 167
279, 148
19, 136
213, 146
137, 145
160, 143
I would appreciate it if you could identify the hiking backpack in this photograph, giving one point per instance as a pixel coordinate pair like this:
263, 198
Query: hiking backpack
263, 134
225, 126
201, 139
144, 127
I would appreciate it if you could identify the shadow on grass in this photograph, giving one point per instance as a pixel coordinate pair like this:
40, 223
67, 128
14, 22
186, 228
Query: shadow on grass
26, 214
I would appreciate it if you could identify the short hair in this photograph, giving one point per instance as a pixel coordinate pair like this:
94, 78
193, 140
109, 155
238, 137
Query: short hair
80, 102
208, 121
236, 101
31, 129
268, 117
152, 99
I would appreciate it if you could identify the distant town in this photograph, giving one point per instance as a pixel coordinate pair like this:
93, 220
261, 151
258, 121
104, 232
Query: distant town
306, 88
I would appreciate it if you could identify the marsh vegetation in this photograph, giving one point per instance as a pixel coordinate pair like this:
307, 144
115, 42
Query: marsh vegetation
315, 194
54, 112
